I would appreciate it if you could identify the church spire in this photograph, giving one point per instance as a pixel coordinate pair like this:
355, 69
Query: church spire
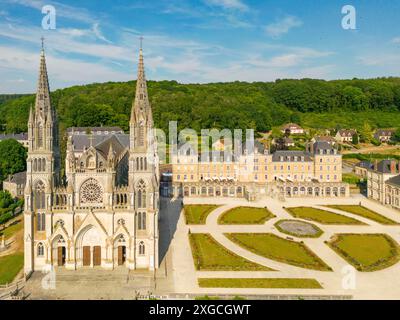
141, 109
43, 103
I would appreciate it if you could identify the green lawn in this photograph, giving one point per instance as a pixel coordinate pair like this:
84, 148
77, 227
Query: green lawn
321, 216
12, 229
273, 247
364, 212
245, 215
10, 266
273, 283
197, 213
209, 255
366, 252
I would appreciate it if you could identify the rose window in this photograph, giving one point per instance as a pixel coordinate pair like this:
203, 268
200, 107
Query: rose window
91, 192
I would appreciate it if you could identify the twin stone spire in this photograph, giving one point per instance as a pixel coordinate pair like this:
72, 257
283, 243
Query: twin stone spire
44, 115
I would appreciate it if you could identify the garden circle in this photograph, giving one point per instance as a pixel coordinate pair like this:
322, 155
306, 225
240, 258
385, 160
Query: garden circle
298, 228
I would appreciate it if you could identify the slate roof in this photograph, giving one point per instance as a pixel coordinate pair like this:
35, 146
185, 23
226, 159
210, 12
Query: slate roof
324, 146
384, 132
290, 156
18, 178
117, 146
395, 181
101, 142
385, 166
364, 164
94, 130
16, 136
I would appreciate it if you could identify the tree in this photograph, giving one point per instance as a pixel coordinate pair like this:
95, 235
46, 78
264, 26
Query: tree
5, 199
12, 158
355, 139
396, 136
366, 133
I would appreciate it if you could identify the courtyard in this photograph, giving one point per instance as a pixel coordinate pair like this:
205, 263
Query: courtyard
232, 247
307, 250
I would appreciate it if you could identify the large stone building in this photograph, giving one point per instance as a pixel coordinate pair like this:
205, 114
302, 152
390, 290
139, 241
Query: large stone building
15, 184
383, 182
22, 138
254, 172
393, 192
106, 212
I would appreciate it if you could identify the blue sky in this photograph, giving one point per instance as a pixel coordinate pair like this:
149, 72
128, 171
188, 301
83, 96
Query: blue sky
197, 41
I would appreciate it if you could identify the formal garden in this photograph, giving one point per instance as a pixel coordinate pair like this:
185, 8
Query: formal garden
10, 266
245, 215
272, 283
366, 252
11, 232
209, 255
298, 228
365, 213
276, 248
322, 216
197, 213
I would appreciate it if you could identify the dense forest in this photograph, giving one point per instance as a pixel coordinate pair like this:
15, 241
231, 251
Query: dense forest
258, 105
9, 97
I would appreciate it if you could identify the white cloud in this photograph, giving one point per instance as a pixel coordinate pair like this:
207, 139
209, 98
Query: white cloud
279, 28
396, 40
98, 33
74, 32
380, 60
229, 4
62, 72
62, 10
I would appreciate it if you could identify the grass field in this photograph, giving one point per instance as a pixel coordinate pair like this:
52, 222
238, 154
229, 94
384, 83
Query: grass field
16, 226
208, 254
245, 215
364, 212
366, 252
287, 283
321, 216
10, 266
273, 247
196, 213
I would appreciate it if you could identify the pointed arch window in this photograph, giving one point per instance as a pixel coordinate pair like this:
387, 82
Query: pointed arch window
39, 195
141, 134
141, 222
41, 222
40, 250
40, 136
141, 248
141, 195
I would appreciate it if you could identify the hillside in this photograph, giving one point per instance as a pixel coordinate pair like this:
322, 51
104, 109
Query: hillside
312, 103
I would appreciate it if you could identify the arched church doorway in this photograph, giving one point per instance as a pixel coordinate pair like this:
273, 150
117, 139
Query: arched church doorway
59, 252
121, 255
61, 256
120, 250
89, 247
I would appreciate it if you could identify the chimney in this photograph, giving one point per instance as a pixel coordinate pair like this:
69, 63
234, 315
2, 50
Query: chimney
376, 165
393, 167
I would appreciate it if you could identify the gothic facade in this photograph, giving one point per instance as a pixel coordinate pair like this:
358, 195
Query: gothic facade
105, 212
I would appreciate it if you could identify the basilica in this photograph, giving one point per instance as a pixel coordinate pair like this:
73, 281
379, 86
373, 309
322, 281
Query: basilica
105, 211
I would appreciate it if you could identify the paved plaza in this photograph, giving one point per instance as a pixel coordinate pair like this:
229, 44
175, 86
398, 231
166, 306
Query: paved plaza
177, 274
